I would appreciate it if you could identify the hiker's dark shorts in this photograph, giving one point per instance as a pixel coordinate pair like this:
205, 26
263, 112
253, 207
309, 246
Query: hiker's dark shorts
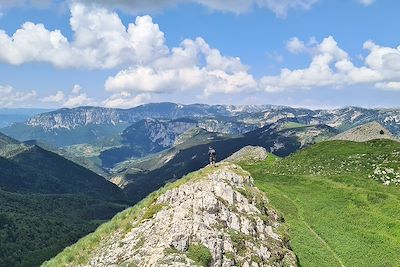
213, 159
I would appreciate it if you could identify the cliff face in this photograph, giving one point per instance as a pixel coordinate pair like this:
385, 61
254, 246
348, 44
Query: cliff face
214, 217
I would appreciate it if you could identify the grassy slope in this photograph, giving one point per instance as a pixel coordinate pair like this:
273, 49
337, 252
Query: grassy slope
337, 215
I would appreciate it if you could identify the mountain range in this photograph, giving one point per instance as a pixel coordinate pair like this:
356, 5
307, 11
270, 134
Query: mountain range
64, 172
102, 138
93, 124
142, 148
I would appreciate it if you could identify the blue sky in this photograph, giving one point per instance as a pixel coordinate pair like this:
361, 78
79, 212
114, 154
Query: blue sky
308, 53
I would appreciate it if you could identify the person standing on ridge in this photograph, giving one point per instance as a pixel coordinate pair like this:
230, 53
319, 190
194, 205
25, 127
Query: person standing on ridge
212, 154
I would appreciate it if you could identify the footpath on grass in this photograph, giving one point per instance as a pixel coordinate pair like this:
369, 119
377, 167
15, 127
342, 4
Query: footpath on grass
322, 241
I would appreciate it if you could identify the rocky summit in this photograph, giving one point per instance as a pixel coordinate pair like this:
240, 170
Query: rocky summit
248, 154
366, 132
213, 217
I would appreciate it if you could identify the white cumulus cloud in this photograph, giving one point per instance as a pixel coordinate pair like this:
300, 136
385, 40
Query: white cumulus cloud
194, 65
74, 99
332, 66
100, 41
393, 86
294, 45
11, 98
126, 100
76, 89
57, 98
79, 100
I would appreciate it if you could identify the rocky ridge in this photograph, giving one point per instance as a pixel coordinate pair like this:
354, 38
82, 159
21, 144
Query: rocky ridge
213, 217
81, 116
248, 154
365, 132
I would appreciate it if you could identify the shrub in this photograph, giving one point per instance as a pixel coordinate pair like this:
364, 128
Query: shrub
200, 254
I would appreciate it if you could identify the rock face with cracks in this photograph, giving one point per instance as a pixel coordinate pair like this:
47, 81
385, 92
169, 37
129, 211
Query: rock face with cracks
217, 209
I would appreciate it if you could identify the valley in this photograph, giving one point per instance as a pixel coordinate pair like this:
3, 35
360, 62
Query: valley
330, 176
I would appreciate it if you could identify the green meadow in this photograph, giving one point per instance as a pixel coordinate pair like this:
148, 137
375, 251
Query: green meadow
338, 213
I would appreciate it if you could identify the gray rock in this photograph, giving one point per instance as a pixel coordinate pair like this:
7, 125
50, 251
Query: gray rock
365, 132
248, 153
214, 211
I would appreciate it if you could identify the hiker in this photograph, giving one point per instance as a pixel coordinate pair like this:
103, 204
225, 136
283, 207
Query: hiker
212, 154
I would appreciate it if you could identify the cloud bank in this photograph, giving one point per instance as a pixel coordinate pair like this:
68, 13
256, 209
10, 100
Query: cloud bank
74, 99
100, 41
9, 97
332, 66
144, 65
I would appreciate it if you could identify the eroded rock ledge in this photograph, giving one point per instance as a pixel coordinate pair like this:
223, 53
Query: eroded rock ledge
216, 218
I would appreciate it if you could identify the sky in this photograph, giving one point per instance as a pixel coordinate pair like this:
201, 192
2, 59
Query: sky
120, 54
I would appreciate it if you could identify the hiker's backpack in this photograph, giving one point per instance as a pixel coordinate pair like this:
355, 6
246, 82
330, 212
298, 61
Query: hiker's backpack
212, 152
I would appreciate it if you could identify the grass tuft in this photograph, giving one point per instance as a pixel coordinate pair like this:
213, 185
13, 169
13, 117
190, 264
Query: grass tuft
200, 254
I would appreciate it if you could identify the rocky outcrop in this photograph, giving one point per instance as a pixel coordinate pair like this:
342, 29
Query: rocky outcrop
248, 154
214, 217
365, 132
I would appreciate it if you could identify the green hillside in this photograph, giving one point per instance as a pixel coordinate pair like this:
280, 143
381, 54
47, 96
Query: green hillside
47, 202
337, 214
35, 170
35, 227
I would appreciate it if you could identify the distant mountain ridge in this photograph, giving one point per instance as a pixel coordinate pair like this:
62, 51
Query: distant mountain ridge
260, 115
71, 118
